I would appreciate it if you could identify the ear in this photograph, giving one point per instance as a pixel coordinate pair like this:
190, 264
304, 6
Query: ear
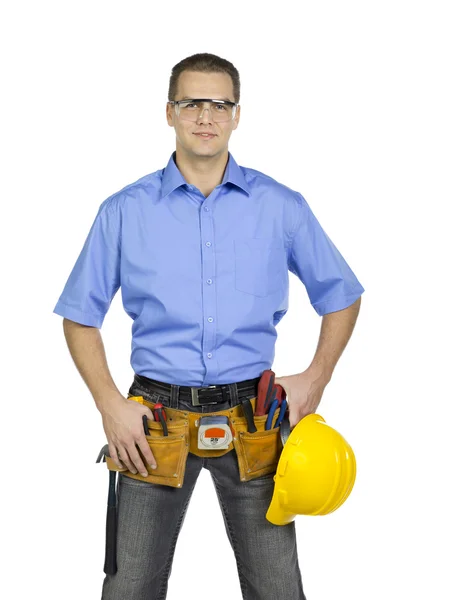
236, 118
168, 111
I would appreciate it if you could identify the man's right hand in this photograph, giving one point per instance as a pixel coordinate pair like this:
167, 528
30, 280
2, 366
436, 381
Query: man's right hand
123, 426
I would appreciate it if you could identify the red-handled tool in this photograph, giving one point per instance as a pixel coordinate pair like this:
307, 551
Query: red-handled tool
264, 392
280, 394
160, 416
267, 391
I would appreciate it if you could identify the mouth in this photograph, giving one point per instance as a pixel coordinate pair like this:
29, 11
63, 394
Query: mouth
203, 136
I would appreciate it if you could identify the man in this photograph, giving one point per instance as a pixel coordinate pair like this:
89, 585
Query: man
201, 251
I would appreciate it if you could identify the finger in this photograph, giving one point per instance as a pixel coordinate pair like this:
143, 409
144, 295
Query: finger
294, 420
114, 455
137, 461
150, 415
146, 451
123, 456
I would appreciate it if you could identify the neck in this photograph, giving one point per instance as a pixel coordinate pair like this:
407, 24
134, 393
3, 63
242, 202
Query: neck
204, 172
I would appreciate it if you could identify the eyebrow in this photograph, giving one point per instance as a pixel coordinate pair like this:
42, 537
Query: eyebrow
190, 98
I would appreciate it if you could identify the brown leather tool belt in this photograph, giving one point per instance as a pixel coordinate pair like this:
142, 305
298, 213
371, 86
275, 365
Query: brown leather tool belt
257, 452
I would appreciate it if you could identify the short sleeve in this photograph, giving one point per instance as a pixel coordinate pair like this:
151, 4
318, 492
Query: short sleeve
95, 277
330, 283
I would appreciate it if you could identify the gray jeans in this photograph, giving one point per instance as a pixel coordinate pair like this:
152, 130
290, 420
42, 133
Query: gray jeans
150, 517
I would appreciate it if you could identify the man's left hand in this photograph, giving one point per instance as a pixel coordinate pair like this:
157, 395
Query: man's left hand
304, 391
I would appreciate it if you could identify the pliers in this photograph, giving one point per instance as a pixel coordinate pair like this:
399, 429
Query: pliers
160, 416
273, 403
272, 410
281, 412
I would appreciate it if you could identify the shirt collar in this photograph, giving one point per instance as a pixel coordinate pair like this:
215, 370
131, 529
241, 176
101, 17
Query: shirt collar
172, 177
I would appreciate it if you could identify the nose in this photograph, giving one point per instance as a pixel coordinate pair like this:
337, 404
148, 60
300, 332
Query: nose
200, 116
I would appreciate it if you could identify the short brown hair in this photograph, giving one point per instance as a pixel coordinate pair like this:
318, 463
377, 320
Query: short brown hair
204, 63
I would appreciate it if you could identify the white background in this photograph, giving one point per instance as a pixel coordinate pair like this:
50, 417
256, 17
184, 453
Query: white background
345, 102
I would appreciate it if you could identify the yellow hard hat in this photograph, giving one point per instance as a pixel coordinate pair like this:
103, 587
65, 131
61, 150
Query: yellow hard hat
315, 473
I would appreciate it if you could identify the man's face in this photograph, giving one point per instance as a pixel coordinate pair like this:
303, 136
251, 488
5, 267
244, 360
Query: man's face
203, 85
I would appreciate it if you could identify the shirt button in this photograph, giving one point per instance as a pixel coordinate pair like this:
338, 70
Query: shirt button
209, 281
210, 319
206, 208
207, 243
209, 355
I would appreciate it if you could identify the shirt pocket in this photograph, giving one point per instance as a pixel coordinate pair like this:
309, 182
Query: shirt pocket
259, 265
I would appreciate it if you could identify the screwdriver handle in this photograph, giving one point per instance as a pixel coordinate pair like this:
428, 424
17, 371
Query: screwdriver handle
159, 411
160, 416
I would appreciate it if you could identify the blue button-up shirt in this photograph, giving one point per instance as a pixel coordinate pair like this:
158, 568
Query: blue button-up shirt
205, 280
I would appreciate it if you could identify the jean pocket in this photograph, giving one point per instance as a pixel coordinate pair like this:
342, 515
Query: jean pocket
259, 265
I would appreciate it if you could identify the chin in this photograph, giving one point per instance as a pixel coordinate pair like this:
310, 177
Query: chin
205, 151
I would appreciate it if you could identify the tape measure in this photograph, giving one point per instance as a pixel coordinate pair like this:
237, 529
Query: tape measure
214, 433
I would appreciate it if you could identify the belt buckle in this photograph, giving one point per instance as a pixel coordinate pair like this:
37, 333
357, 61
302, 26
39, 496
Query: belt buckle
194, 392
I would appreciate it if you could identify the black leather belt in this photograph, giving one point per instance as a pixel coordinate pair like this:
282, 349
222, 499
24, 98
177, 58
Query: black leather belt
197, 396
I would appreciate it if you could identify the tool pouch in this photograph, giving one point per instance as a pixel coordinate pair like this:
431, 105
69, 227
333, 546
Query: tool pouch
257, 453
170, 452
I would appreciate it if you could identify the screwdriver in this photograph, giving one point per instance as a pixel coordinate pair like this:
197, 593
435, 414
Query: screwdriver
160, 416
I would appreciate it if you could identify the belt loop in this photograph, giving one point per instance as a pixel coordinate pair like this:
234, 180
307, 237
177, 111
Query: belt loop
224, 394
174, 396
233, 391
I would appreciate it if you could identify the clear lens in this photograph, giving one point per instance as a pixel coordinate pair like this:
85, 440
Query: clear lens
190, 111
